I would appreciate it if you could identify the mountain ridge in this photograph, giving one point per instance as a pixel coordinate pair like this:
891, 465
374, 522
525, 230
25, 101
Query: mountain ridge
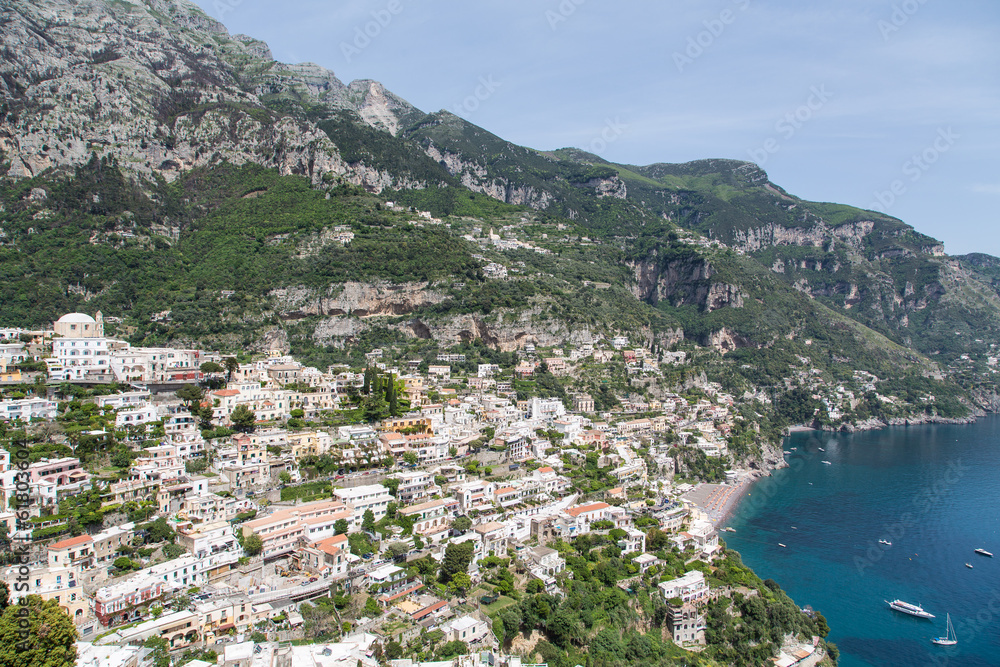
155, 121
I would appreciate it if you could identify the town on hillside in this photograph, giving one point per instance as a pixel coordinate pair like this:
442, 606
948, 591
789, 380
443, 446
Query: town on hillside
250, 510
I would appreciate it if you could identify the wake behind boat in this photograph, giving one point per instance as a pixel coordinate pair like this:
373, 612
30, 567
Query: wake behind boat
911, 609
984, 552
827, 463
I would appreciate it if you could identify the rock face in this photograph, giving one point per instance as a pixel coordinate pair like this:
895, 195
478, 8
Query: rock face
476, 177
357, 300
818, 235
684, 282
164, 96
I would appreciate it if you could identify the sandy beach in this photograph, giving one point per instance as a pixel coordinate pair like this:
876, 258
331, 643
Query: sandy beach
718, 500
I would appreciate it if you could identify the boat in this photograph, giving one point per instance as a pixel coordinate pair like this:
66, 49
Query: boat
827, 463
885, 542
781, 545
984, 552
729, 529
968, 565
821, 449
911, 609
949, 639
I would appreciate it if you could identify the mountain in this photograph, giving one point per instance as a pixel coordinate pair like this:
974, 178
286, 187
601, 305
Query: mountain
194, 189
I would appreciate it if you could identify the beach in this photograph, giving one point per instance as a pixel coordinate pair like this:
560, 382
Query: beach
718, 501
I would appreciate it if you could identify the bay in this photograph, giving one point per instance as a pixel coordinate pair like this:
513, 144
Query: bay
933, 491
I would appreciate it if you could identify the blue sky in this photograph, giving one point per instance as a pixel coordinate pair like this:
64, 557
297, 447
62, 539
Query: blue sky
887, 104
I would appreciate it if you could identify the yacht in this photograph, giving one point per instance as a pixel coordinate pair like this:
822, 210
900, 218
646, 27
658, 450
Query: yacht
781, 545
829, 463
821, 449
911, 609
949, 639
968, 565
984, 552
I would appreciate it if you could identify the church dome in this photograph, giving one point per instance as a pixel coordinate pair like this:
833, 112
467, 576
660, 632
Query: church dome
77, 318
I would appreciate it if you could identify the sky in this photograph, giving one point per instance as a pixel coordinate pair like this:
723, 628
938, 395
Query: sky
891, 105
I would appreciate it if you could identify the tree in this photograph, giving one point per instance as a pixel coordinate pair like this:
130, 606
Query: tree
392, 484
253, 544
284, 477
397, 550
460, 583
211, 367
36, 633
340, 527
368, 520
243, 419
231, 367
161, 651
393, 650
159, 530
410, 458
456, 559
191, 395
462, 524
452, 649
372, 609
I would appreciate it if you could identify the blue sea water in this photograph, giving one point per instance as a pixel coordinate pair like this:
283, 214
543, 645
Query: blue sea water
933, 491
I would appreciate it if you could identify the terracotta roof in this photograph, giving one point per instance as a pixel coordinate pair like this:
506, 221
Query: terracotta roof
592, 507
71, 542
429, 610
226, 392
546, 469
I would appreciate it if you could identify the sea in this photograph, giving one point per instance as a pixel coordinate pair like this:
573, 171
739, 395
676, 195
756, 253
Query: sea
932, 491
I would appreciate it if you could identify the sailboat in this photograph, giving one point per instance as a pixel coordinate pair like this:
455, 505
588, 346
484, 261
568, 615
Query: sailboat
949, 639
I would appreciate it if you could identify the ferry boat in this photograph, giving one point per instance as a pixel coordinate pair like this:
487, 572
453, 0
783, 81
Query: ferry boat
984, 552
911, 609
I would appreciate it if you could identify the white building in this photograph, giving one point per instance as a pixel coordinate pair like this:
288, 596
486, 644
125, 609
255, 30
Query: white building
360, 499
689, 588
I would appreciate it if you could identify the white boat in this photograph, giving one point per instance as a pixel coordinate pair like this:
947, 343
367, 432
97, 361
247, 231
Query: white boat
984, 552
885, 542
781, 545
911, 609
821, 449
950, 639
827, 463
968, 565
